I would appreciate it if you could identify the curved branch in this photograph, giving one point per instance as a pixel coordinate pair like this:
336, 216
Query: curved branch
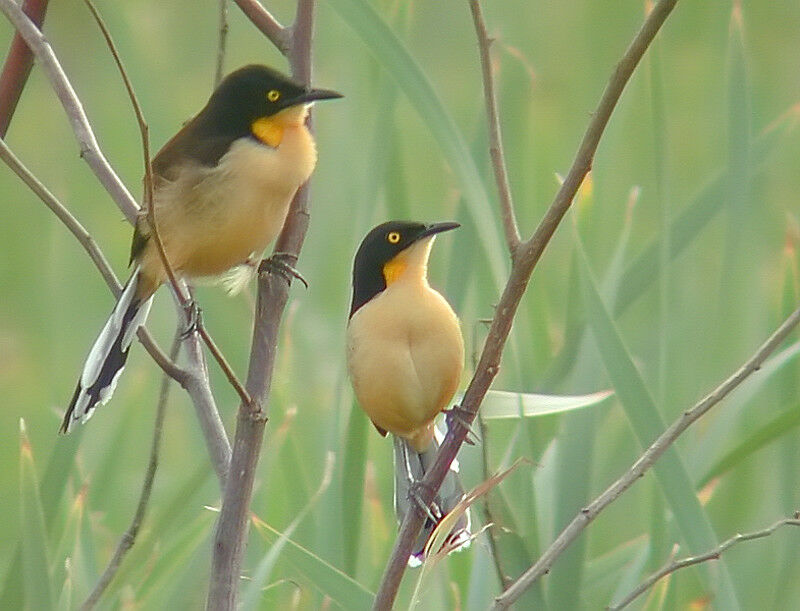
194, 379
17, 67
273, 292
528, 255
129, 536
714, 554
267, 24
645, 461
496, 150
90, 150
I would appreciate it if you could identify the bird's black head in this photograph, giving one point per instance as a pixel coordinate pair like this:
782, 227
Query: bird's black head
377, 262
256, 92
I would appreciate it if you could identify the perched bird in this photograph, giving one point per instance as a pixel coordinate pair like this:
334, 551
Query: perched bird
405, 355
221, 191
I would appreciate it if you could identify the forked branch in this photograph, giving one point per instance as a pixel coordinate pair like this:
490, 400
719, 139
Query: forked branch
528, 255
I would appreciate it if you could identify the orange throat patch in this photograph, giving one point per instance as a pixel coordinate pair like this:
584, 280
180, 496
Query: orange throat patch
268, 131
394, 269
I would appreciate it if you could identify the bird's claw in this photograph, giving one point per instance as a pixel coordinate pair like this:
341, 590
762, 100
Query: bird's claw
415, 496
456, 416
194, 318
281, 263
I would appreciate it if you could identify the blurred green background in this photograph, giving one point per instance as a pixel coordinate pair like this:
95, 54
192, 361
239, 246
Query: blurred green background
688, 234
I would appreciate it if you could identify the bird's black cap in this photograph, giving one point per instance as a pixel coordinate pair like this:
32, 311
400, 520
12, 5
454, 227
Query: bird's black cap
379, 247
256, 91
244, 96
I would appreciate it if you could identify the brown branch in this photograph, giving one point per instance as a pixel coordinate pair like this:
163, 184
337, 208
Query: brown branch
528, 255
95, 254
496, 150
17, 67
641, 466
270, 27
194, 379
273, 292
186, 302
714, 554
222, 42
89, 149
129, 536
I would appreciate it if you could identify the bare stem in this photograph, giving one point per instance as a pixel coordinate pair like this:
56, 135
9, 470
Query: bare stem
273, 292
17, 66
267, 24
643, 464
185, 300
528, 255
713, 554
495, 135
222, 41
92, 249
129, 537
89, 149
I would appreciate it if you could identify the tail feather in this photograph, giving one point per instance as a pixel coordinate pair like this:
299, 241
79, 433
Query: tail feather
108, 355
411, 466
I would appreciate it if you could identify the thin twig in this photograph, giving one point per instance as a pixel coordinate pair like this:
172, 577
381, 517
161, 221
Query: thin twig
492, 525
195, 378
528, 255
222, 41
17, 66
496, 150
643, 464
129, 536
273, 292
95, 254
714, 554
89, 149
260, 17
185, 300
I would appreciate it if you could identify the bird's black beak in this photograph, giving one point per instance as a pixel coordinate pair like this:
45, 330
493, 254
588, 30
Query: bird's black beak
435, 228
312, 95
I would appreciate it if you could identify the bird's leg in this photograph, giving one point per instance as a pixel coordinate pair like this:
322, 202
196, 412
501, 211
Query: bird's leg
281, 263
194, 318
456, 415
414, 487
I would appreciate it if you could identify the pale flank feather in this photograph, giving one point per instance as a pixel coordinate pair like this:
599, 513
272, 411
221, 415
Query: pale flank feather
236, 279
108, 355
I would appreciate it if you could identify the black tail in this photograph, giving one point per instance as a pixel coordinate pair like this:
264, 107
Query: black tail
107, 357
410, 466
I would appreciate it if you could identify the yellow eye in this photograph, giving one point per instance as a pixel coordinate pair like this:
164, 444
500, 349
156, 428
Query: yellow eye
273, 95
393, 237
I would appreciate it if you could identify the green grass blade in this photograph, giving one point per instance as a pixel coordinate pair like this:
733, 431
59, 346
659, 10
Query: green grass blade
262, 573
38, 586
393, 55
52, 488
775, 429
175, 555
696, 215
647, 424
502, 404
329, 580
69, 539
355, 464
717, 438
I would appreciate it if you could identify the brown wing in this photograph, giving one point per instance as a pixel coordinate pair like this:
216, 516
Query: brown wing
382, 431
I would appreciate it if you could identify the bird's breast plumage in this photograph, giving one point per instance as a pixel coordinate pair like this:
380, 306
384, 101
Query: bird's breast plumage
405, 355
214, 218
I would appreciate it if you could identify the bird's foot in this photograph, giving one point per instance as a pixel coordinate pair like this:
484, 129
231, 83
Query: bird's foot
281, 263
458, 416
194, 318
414, 494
